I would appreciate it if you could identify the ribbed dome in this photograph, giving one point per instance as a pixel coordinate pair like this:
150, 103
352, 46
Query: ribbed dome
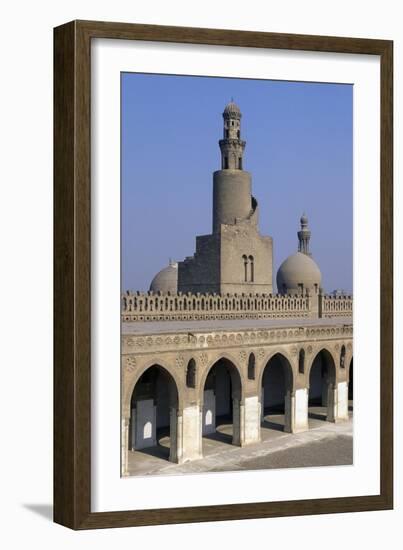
298, 269
232, 109
166, 280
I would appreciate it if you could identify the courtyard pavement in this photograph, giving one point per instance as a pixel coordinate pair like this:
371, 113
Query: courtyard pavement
325, 444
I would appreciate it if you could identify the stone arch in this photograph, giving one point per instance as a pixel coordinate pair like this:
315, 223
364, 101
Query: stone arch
276, 384
221, 393
314, 354
268, 357
225, 357
131, 381
322, 386
154, 413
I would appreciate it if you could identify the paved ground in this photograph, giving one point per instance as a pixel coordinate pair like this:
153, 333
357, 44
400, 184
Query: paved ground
324, 444
231, 324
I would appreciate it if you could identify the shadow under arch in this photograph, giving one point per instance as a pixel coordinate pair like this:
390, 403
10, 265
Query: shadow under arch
322, 385
153, 413
276, 383
350, 383
221, 395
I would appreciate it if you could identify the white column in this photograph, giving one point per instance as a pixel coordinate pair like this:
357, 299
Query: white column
250, 421
191, 437
296, 411
299, 411
331, 403
342, 401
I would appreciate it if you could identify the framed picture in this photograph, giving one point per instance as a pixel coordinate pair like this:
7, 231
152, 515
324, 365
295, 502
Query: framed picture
223, 255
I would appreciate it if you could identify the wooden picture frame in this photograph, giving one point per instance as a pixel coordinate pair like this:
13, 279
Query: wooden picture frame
72, 271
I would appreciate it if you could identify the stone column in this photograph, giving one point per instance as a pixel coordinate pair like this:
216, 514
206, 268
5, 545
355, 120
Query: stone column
342, 401
296, 411
331, 403
236, 421
250, 415
190, 439
125, 446
174, 435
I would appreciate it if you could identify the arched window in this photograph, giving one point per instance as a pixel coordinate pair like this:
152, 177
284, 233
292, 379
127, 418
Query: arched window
251, 367
252, 269
191, 374
225, 163
343, 356
240, 163
245, 265
301, 361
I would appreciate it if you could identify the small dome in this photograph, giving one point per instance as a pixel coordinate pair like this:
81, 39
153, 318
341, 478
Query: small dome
166, 280
232, 109
298, 272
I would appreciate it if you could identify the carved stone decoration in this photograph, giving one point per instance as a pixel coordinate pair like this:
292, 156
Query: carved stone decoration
131, 363
203, 359
242, 355
180, 361
130, 342
337, 347
349, 346
260, 353
309, 349
294, 351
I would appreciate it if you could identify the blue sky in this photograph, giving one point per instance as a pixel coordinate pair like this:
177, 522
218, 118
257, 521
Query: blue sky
298, 150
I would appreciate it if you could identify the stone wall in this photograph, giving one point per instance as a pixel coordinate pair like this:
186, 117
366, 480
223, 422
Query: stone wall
139, 306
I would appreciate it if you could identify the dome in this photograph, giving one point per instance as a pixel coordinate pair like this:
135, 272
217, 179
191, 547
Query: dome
166, 280
298, 272
232, 109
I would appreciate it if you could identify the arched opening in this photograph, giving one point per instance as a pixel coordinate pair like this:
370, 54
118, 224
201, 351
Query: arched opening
191, 374
221, 405
252, 269
153, 420
301, 361
245, 268
350, 386
251, 366
343, 356
276, 394
322, 381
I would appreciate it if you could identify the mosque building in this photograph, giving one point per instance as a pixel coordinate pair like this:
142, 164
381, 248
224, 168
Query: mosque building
235, 258
211, 352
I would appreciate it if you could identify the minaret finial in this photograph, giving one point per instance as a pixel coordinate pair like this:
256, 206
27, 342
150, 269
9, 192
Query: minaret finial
231, 145
304, 236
